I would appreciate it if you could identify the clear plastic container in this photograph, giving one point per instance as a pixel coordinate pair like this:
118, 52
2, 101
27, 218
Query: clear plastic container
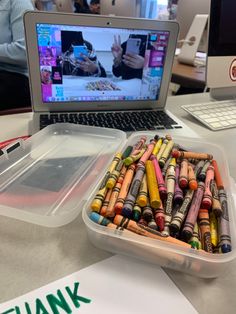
197, 263
45, 180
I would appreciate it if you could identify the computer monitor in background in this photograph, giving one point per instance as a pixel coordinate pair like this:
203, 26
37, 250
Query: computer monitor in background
120, 7
221, 62
186, 11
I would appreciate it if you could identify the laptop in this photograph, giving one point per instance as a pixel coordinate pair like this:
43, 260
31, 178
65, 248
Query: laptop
85, 69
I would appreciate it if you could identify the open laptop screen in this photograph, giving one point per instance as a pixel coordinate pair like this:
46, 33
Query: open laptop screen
85, 63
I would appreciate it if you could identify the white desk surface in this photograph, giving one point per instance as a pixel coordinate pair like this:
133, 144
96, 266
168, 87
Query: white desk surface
32, 256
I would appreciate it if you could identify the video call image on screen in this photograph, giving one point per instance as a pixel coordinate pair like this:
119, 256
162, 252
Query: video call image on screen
94, 64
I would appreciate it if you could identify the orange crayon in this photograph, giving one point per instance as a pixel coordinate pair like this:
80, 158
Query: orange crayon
122, 174
146, 231
124, 189
218, 179
192, 182
192, 155
105, 203
110, 212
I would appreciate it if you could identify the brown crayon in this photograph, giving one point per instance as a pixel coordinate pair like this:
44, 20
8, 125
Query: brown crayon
194, 155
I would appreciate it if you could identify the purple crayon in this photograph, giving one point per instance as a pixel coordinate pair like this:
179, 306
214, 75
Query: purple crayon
178, 194
190, 221
161, 183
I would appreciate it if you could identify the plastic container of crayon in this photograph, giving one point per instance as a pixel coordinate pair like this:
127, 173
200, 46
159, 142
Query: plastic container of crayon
194, 262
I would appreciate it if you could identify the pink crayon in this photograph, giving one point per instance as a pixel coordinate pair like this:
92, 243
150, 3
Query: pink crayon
138, 146
161, 183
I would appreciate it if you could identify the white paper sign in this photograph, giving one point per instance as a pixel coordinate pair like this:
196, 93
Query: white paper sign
115, 285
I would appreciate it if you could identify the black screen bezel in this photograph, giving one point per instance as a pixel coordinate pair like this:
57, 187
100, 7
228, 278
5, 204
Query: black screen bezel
215, 48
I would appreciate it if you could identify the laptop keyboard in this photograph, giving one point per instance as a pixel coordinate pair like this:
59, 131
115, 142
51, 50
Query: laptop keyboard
126, 121
217, 115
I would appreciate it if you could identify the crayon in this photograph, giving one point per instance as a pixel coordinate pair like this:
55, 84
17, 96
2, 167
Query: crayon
183, 175
191, 218
124, 189
216, 206
198, 167
152, 185
192, 182
152, 224
160, 181
114, 175
170, 176
204, 226
122, 174
159, 217
207, 196
110, 212
137, 210
100, 196
135, 184
133, 192
224, 229
157, 146
142, 221
127, 152
180, 214
99, 219
105, 203
139, 145
213, 230
194, 241
142, 198
202, 174
218, 179
188, 155
166, 153
147, 213
162, 148
145, 231
178, 193
132, 158
166, 165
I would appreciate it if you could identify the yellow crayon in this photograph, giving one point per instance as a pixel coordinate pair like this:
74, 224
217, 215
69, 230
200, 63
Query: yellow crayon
157, 147
100, 196
142, 198
162, 148
114, 175
154, 195
166, 153
115, 166
213, 229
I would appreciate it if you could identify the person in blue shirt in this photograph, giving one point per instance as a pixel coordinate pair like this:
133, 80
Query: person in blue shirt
14, 84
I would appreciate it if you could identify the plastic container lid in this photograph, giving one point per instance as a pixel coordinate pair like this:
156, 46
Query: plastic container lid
48, 178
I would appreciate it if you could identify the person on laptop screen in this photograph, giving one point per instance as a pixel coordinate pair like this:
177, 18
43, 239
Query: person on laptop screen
79, 57
129, 56
14, 85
